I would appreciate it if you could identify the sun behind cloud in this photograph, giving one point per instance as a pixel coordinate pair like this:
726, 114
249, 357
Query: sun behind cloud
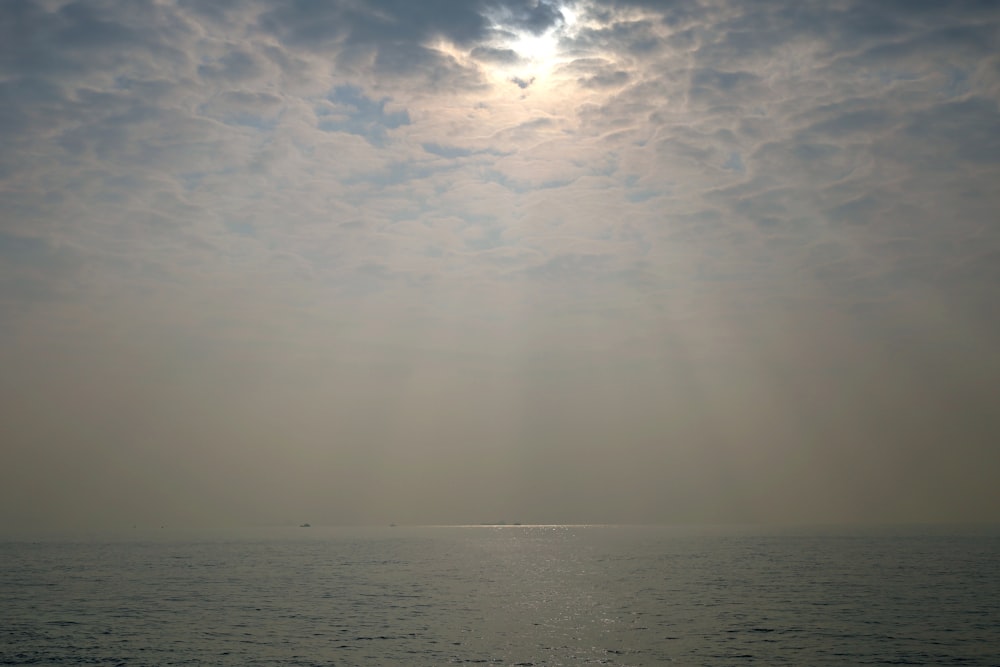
525, 57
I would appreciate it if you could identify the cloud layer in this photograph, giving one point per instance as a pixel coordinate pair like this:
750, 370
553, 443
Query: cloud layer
455, 261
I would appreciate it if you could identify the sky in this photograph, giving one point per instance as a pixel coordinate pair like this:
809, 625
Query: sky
460, 261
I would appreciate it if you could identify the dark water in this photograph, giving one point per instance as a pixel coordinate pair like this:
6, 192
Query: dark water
506, 596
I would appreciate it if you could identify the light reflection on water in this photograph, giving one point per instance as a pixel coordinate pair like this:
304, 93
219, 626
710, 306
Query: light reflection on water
545, 595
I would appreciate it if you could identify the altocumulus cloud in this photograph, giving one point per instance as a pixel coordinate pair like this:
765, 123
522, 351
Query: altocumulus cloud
446, 261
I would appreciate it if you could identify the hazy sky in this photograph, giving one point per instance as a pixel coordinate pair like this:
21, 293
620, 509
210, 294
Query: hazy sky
355, 261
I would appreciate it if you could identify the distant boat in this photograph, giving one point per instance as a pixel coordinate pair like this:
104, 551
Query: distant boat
496, 524
304, 525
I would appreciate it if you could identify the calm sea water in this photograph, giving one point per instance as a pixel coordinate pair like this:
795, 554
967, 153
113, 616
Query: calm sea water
522, 595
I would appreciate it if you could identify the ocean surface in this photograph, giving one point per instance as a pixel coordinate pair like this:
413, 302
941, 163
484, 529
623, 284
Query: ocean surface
514, 595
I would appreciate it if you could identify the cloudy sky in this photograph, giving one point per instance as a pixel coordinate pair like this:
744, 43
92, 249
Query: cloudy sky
362, 261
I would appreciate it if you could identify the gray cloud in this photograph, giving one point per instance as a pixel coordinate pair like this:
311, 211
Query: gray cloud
234, 67
535, 16
496, 55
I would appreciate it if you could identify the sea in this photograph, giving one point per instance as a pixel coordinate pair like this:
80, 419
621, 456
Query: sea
505, 595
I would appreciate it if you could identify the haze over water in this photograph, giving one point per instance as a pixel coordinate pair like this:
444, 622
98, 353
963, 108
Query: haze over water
727, 267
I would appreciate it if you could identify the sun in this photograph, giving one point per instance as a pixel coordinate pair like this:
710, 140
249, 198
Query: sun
517, 56
529, 58
536, 50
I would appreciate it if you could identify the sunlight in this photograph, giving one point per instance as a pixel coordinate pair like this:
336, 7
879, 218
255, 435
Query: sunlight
538, 50
538, 54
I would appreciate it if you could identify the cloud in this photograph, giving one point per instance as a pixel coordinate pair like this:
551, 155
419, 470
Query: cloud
447, 151
390, 34
496, 55
235, 67
354, 113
